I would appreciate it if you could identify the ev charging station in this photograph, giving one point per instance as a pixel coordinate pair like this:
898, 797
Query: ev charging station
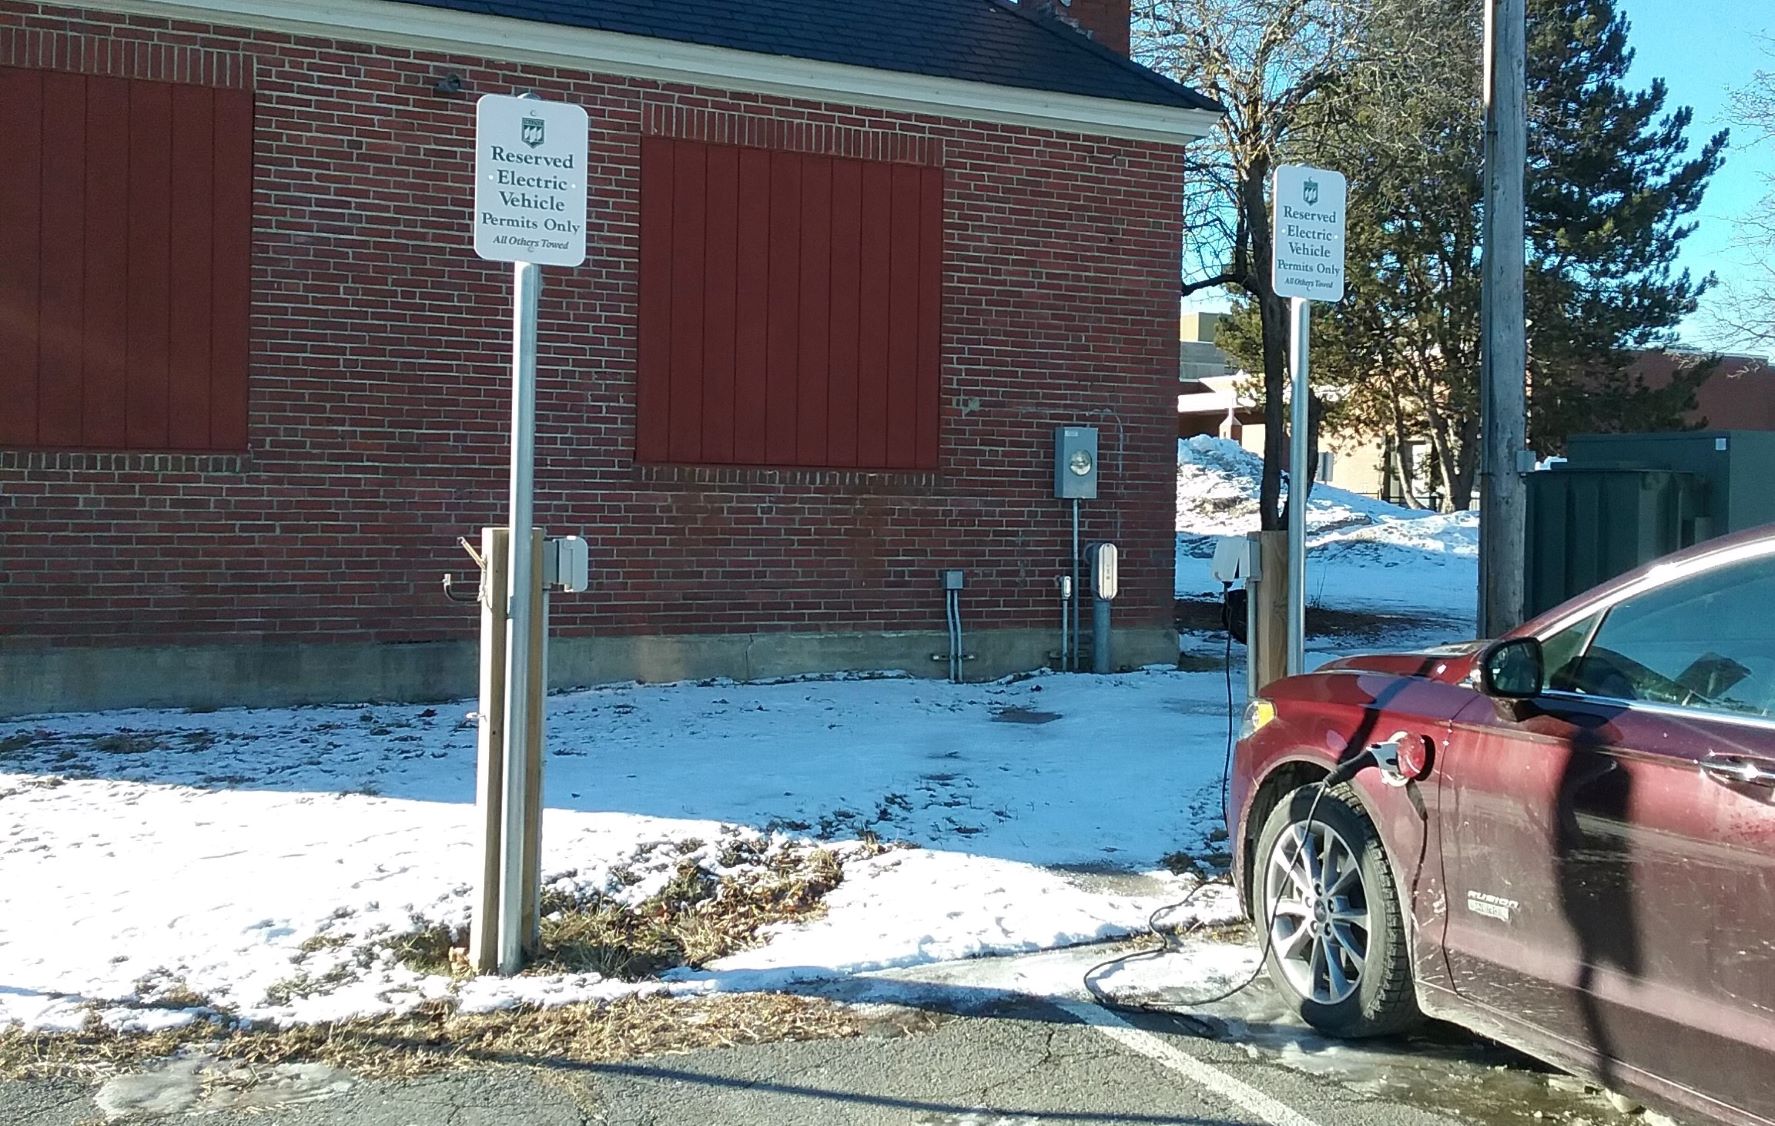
530, 210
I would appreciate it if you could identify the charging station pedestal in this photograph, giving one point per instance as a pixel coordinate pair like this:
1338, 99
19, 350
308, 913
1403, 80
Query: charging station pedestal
556, 564
1260, 561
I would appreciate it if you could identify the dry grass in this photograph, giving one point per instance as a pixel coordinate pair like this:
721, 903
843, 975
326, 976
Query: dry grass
93, 1051
125, 743
695, 919
434, 1038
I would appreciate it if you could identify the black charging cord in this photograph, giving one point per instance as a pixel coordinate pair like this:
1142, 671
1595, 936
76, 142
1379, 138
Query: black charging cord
1226, 765
1170, 944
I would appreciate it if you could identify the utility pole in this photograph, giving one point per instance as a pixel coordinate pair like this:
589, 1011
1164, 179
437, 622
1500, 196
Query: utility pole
1503, 350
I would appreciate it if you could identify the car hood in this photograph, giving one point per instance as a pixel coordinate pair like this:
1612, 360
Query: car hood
1447, 663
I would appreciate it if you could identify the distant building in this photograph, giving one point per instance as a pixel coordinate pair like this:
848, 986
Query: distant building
1739, 395
1213, 399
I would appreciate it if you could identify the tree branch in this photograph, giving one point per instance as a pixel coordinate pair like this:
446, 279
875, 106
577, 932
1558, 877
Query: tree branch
1209, 283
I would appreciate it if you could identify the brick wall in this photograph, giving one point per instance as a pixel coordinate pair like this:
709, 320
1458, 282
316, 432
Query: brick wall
379, 399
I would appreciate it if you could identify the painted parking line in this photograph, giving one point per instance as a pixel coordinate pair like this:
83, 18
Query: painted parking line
1202, 1074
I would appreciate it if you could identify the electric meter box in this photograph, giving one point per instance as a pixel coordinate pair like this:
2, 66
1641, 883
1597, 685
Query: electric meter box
1075, 462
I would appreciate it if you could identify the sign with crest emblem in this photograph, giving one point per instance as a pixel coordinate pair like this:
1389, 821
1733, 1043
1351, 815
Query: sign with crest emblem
530, 183
1307, 232
1307, 210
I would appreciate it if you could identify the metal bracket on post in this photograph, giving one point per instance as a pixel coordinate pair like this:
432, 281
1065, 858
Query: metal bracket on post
451, 590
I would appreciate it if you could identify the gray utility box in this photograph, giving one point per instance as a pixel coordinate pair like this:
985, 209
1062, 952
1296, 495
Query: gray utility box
1738, 466
1622, 500
1585, 526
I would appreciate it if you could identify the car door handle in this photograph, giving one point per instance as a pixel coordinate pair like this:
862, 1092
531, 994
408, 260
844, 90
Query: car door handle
1739, 770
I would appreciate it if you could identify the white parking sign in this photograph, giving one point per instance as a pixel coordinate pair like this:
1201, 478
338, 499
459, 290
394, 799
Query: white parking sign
530, 182
1307, 233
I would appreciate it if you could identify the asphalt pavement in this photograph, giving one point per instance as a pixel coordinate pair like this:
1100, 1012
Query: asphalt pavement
1024, 1064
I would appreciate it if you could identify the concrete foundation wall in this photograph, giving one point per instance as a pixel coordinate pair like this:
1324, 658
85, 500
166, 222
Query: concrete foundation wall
274, 674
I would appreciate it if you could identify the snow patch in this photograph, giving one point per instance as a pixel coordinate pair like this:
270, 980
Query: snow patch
1362, 553
159, 867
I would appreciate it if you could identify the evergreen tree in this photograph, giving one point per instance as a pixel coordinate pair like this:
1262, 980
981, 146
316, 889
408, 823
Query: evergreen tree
1609, 193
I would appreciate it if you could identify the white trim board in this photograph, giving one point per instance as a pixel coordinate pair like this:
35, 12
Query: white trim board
383, 23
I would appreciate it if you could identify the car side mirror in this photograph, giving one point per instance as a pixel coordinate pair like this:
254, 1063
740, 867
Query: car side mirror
1513, 672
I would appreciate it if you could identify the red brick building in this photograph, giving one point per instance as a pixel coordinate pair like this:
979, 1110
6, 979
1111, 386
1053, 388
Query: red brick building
1738, 393
849, 265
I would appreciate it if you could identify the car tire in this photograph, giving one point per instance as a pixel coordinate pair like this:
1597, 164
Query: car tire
1329, 920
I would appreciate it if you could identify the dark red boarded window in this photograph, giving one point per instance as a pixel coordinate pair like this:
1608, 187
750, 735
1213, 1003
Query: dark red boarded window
790, 310
125, 243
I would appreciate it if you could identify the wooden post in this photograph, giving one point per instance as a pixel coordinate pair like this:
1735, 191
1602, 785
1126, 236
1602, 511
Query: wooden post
1267, 621
532, 918
490, 748
1503, 353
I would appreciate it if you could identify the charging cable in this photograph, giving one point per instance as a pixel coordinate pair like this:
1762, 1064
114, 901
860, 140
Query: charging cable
1342, 773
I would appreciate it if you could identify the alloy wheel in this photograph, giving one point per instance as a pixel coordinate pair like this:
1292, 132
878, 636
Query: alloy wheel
1318, 912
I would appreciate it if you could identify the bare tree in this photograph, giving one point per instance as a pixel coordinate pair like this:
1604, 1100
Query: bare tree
1272, 65
1746, 311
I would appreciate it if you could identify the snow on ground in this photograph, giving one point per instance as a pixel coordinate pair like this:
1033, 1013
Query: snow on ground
250, 857
1362, 554
262, 860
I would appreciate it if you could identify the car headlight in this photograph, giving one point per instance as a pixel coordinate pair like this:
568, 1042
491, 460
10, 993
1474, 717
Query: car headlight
1258, 714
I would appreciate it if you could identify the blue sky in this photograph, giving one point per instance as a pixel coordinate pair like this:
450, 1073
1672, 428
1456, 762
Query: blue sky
1704, 49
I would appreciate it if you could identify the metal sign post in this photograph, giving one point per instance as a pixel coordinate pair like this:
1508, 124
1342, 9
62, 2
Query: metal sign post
1306, 265
1300, 322
530, 210
526, 287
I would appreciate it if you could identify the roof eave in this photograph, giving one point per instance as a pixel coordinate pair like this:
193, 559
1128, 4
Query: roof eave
385, 23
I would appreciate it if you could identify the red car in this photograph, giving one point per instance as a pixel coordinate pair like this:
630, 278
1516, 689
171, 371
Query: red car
1563, 840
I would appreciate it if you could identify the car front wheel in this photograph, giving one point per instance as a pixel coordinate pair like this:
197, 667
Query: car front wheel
1335, 943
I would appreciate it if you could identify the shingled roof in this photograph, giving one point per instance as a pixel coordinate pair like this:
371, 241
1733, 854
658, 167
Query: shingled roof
990, 41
